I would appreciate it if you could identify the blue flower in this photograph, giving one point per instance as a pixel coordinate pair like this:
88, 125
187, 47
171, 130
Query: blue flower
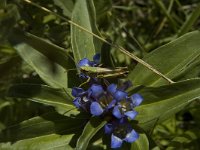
120, 131
96, 109
124, 105
96, 91
81, 99
84, 62
87, 62
109, 101
77, 92
126, 110
136, 99
117, 94
98, 100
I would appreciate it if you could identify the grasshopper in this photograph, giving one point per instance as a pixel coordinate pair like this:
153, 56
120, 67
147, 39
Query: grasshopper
99, 72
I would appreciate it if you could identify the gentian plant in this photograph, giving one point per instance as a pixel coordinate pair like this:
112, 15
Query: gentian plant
109, 101
57, 92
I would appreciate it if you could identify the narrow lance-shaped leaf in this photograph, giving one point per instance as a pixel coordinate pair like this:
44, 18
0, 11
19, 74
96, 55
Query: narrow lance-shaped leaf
49, 131
53, 52
50, 142
84, 44
171, 59
91, 128
57, 98
52, 73
160, 103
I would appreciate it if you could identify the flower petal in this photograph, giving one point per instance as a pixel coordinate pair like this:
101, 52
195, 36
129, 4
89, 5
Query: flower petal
120, 95
136, 99
116, 112
115, 141
84, 62
96, 91
131, 136
96, 58
76, 91
111, 104
76, 102
108, 128
112, 88
96, 109
131, 114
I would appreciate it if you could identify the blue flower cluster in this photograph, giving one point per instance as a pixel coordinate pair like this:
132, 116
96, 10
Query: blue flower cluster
109, 100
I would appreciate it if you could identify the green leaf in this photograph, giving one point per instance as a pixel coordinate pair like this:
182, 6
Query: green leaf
66, 6
51, 51
141, 144
171, 59
160, 103
57, 98
52, 73
50, 142
91, 128
48, 131
192, 71
83, 43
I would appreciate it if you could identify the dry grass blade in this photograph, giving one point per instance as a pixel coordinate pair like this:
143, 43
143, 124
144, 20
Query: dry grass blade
103, 39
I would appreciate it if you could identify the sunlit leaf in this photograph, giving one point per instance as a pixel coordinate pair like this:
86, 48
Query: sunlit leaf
91, 128
83, 43
50, 142
53, 52
171, 59
52, 73
160, 103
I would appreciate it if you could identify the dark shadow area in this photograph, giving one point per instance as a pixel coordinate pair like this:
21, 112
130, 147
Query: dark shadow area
50, 123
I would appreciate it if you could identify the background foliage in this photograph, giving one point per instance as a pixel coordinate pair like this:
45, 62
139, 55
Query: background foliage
40, 49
